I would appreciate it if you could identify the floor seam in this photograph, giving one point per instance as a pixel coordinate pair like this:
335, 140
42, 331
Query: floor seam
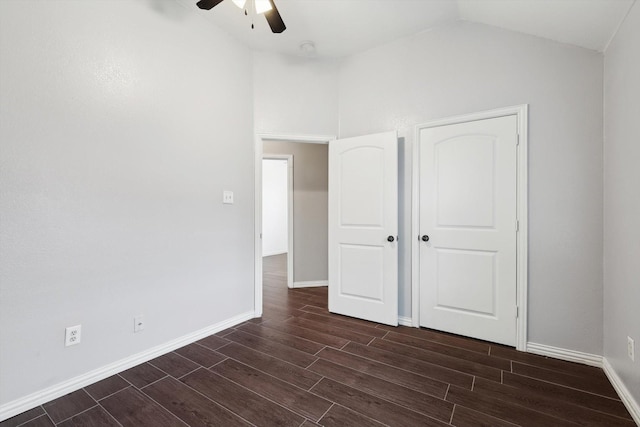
76, 414
109, 413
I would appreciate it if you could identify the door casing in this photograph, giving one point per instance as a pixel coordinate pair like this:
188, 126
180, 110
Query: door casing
521, 112
257, 202
289, 159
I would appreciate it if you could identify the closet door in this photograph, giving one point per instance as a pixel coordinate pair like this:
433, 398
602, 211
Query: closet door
468, 228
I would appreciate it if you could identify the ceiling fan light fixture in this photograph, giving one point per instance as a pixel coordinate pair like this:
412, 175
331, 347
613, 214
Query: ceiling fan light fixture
263, 6
254, 7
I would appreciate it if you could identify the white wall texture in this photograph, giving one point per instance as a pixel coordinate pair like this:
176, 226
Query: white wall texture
116, 118
465, 68
622, 201
113, 138
295, 96
275, 207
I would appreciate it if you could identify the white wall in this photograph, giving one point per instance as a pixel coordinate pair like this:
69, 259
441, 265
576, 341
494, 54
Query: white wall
116, 123
466, 68
295, 96
114, 156
622, 201
275, 212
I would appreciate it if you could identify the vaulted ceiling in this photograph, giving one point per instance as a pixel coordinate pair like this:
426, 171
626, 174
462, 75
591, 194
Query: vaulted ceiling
344, 27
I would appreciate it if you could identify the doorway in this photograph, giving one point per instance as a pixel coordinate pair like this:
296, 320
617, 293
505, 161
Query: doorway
277, 216
306, 266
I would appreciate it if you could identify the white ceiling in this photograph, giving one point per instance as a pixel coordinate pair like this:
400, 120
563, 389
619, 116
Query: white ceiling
586, 23
344, 27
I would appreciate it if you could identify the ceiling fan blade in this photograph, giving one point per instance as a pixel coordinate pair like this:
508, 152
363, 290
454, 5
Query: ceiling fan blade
274, 19
208, 4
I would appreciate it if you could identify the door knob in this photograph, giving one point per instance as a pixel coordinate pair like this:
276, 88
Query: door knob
390, 239
425, 238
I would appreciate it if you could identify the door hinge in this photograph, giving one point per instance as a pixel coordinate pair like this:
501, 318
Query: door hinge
517, 312
517, 139
517, 225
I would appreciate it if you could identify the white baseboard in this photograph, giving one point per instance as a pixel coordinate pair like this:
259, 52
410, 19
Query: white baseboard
593, 360
632, 405
565, 354
405, 321
266, 254
311, 284
23, 404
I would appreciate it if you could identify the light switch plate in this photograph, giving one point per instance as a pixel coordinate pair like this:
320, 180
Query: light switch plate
138, 323
227, 197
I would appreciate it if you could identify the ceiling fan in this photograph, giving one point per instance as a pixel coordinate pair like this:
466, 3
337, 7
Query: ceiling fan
259, 6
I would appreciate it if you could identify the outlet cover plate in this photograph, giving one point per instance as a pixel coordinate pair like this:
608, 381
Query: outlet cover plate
72, 335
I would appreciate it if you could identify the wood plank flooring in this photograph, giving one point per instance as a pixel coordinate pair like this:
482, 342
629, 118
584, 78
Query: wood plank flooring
298, 365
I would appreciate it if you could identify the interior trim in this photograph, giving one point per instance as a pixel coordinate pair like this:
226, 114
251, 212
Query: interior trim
290, 263
565, 354
625, 395
311, 284
30, 401
257, 201
405, 321
592, 360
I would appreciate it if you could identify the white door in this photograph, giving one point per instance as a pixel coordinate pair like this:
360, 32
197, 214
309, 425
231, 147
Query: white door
468, 229
363, 227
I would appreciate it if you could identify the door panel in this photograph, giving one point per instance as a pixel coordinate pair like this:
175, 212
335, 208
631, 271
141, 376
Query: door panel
469, 289
465, 176
468, 210
363, 213
357, 282
367, 208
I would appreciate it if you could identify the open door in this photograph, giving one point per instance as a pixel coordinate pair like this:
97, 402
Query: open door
363, 227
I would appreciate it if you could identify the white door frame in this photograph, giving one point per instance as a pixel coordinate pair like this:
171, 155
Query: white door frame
257, 205
289, 159
521, 112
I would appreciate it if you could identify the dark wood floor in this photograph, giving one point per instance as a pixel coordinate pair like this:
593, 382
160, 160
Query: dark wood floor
298, 365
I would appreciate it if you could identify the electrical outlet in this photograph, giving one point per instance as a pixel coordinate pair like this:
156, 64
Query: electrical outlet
138, 323
72, 335
631, 351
